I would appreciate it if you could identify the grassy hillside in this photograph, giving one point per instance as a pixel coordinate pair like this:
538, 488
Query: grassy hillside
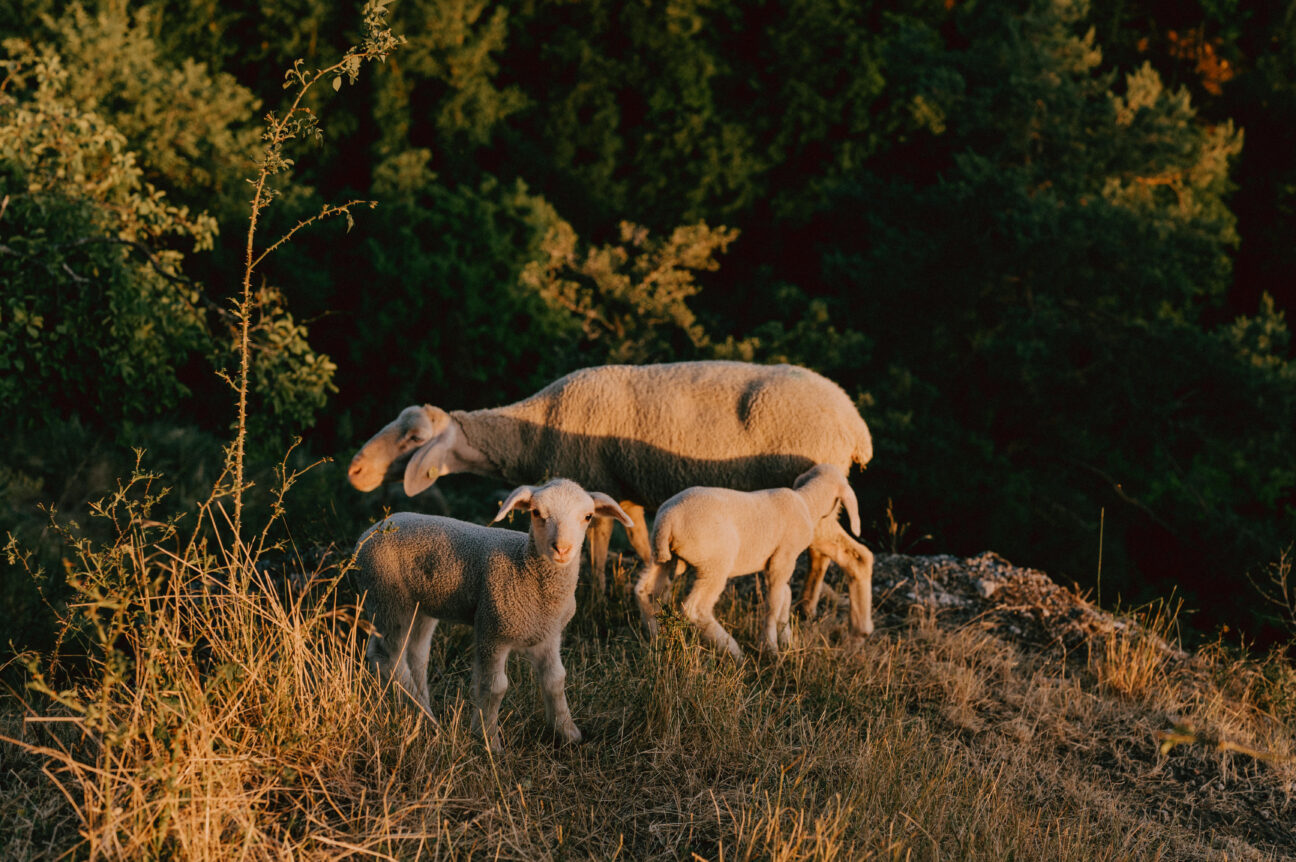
222, 712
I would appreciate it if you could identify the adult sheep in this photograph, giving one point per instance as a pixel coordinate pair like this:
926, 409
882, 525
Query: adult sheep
643, 433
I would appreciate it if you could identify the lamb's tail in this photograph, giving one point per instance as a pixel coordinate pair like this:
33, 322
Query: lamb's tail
661, 543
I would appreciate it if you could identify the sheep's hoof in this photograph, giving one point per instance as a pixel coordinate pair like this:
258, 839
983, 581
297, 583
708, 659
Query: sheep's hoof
806, 610
570, 734
854, 638
651, 628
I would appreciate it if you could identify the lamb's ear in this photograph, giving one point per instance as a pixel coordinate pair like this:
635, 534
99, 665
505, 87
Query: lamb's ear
606, 507
519, 499
847, 496
424, 467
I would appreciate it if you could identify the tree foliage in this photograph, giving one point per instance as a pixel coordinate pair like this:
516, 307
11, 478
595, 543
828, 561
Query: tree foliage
1023, 235
96, 319
631, 298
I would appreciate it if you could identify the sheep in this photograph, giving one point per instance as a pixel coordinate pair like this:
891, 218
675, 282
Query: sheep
724, 533
643, 434
518, 590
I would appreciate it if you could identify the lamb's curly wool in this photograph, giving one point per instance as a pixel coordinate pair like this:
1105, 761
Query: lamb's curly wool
724, 533
644, 433
517, 590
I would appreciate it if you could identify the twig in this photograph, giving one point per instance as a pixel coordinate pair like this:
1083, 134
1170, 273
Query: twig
324, 213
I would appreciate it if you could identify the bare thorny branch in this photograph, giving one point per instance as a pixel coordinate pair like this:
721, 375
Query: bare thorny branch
296, 122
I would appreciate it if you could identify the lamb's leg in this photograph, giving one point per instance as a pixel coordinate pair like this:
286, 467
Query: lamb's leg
813, 588
549, 669
857, 561
489, 682
698, 607
648, 591
383, 662
406, 663
600, 535
778, 630
416, 655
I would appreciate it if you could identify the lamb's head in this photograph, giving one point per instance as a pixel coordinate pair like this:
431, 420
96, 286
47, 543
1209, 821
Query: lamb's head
824, 486
561, 512
383, 458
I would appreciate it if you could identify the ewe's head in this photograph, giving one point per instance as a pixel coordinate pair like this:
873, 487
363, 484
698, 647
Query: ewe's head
561, 512
825, 485
377, 460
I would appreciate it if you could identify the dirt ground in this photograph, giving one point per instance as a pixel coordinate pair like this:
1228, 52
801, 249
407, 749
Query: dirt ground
1198, 740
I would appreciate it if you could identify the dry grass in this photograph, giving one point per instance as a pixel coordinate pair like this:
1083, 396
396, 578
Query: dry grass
223, 717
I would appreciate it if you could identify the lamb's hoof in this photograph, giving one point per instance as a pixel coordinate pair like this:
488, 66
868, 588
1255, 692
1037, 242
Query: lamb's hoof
861, 628
650, 629
569, 734
857, 637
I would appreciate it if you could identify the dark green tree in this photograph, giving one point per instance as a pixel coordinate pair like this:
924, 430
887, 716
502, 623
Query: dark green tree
1039, 264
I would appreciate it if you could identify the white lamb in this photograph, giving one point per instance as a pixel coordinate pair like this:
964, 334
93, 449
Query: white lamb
518, 590
723, 533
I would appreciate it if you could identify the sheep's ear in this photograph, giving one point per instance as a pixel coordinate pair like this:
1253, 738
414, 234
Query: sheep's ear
424, 467
606, 507
438, 418
519, 499
847, 496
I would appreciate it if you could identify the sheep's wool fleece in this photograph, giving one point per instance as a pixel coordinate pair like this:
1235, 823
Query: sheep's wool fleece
450, 569
647, 432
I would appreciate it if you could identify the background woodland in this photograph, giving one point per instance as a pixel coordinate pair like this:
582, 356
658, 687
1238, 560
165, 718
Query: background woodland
1046, 245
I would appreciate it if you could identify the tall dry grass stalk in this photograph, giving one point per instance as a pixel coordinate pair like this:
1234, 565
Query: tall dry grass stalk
1131, 659
296, 122
207, 692
222, 714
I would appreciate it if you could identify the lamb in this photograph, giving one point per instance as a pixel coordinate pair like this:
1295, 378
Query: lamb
644, 434
724, 533
518, 590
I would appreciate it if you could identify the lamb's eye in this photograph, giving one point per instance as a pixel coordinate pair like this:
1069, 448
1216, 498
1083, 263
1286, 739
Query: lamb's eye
589, 517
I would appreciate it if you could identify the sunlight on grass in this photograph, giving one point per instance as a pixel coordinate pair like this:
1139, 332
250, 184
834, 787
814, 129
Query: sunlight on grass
205, 708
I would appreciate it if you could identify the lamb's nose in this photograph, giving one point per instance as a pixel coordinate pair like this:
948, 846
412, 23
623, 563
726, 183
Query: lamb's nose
561, 550
355, 468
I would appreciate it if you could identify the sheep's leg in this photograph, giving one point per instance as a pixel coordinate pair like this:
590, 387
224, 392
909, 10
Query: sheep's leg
813, 588
407, 665
416, 655
600, 535
387, 665
698, 607
652, 583
549, 669
489, 682
778, 631
639, 536
857, 561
